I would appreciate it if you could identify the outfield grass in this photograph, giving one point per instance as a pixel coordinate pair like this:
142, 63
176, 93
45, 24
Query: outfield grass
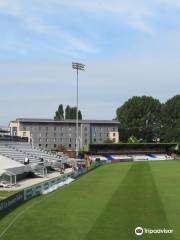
106, 204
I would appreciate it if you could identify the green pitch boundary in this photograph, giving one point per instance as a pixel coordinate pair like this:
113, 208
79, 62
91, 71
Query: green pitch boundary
105, 204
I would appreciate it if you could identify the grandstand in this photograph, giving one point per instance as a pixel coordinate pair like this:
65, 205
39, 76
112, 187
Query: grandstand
132, 152
12, 160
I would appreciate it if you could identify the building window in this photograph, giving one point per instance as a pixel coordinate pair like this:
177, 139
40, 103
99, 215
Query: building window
54, 139
107, 134
70, 140
54, 128
39, 139
69, 145
24, 128
54, 134
39, 145
46, 140
46, 134
94, 129
114, 134
55, 145
85, 129
94, 139
113, 129
85, 140
61, 134
46, 145
46, 128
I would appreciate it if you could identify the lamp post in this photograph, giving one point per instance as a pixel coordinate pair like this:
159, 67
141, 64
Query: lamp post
77, 67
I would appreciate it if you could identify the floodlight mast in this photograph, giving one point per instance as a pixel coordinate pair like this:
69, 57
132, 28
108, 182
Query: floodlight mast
77, 67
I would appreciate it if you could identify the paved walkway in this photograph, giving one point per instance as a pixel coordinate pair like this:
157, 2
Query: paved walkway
32, 181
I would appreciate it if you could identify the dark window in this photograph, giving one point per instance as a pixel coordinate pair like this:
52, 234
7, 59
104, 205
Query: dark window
54, 134
46, 134
46, 145
114, 134
39, 145
94, 139
55, 145
69, 145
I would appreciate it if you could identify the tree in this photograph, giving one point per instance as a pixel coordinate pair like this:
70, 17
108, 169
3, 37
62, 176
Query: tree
79, 115
171, 113
59, 114
133, 139
170, 130
70, 113
67, 112
141, 116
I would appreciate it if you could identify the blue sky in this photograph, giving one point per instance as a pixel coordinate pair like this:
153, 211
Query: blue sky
130, 47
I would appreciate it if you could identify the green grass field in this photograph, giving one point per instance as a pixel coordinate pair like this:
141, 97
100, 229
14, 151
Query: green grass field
106, 204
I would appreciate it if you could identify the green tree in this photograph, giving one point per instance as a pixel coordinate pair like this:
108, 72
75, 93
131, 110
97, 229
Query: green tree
70, 113
170, 130
171, 113
67, 112
59, 114
141, 116
79, 115
133, 139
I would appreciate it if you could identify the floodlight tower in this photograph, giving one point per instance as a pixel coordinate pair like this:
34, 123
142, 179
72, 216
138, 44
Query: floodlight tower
77, 67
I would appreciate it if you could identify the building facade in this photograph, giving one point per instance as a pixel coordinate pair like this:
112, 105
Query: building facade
49, 134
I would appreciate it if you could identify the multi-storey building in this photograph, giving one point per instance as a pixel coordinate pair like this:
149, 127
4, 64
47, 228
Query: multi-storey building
47, 133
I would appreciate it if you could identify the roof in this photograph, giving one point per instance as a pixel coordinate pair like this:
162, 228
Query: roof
39, 120
6, 163
133, 144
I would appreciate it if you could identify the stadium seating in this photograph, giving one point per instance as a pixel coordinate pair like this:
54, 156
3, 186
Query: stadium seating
18, 151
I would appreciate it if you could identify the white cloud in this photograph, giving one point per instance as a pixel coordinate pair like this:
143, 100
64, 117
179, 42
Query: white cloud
36, 90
